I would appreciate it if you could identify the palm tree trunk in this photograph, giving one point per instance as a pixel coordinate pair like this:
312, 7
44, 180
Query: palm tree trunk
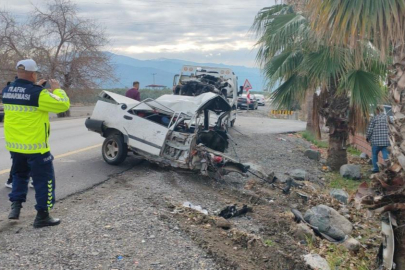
312, 115
335, 110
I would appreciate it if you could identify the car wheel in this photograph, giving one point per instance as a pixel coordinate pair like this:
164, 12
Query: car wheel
233, 122
114, 149
1, 118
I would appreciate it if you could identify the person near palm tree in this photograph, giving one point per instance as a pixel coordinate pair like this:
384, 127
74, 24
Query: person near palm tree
378, 136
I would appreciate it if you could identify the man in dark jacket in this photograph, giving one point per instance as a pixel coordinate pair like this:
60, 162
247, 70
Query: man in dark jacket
378, 136
134, 92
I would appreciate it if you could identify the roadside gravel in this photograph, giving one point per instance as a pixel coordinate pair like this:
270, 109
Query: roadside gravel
134, 220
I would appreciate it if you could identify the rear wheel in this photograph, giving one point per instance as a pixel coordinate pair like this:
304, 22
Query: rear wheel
114, 149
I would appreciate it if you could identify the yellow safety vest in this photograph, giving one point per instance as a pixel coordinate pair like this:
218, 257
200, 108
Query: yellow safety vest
26, 120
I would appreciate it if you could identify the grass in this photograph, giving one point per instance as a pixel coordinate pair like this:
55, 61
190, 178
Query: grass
338, 257
269, 243
337, 181
309, 137
353, 151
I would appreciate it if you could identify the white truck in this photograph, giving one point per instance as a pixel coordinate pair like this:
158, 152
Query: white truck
195, 80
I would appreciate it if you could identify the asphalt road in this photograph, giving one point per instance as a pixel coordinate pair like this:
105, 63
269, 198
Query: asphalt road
78, 161
79, 164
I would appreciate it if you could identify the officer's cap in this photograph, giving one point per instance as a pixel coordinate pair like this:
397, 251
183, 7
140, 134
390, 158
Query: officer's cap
27, 65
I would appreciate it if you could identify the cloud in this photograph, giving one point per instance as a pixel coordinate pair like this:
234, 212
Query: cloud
182, 29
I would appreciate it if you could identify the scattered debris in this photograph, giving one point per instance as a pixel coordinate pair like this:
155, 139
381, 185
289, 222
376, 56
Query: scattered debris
195, 207
364, 156
312, 154
232, 211
386, 253
339, 194
351, 171
315, 261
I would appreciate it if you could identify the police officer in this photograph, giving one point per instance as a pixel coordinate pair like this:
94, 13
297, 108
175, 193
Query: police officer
26, 128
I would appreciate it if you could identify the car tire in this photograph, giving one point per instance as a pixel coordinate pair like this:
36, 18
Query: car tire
114, 149
233, 122
1, 118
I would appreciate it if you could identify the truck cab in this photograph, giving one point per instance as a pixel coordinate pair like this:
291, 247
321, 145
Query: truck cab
194, 73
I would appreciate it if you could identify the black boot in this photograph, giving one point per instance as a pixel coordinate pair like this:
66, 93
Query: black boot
43, 219
15, 210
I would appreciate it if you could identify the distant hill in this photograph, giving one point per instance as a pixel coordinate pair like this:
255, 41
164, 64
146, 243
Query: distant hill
128, 69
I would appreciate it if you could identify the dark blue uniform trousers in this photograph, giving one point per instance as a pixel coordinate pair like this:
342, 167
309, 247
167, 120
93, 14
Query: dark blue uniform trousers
40, 168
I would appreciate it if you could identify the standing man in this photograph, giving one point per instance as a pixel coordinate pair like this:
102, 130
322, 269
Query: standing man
26, 129
134, 92
378, 136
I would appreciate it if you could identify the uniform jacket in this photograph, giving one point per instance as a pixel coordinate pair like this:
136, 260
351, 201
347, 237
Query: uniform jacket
377, 132
26, 122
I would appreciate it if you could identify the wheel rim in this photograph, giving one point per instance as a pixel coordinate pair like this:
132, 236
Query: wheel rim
111, 150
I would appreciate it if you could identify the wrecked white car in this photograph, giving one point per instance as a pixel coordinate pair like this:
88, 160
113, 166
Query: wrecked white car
170, 131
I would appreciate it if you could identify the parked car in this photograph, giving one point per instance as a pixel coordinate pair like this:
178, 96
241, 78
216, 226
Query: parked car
170, 131
242, 102
260, 100
1, 109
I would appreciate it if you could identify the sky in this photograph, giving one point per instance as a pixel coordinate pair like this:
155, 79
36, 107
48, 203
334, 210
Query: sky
215, 31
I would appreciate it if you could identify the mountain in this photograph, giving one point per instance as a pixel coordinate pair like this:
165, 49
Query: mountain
128, 69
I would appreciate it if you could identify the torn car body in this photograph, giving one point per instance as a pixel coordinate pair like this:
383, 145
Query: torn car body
170, 131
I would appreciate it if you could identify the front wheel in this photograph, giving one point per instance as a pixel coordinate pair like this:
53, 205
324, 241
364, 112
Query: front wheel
114, 149
233, 122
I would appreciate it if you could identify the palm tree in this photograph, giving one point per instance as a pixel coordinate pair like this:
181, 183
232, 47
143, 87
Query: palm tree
290, 52
382, 23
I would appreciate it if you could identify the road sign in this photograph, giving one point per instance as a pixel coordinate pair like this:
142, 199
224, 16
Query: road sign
247, 86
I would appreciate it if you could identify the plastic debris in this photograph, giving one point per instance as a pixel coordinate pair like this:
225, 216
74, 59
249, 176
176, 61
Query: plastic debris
119, 257
195, 207
232, 211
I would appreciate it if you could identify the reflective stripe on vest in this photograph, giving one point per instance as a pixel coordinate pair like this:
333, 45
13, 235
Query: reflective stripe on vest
19, 108
29, 147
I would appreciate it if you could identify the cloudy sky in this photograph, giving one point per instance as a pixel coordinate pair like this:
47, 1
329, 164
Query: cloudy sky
196, 30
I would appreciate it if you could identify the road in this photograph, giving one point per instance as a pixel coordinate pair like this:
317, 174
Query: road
79, 164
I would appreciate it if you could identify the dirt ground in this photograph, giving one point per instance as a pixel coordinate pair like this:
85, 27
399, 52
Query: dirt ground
135, 220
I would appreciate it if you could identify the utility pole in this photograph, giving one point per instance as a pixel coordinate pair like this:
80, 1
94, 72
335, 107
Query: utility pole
153, 74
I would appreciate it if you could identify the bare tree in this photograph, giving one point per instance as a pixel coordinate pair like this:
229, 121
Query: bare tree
65, 46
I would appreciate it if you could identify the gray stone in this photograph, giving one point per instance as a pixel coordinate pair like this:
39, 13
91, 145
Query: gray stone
315, 261
223, 223
329, 221
303, 232
323, 161
298, 174
350, 171
352, 244
339, 194
364, 156
312, 154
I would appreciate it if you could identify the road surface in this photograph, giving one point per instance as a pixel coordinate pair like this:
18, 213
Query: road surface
79, 164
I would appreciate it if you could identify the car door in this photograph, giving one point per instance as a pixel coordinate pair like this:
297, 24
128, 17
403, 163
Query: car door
144, 134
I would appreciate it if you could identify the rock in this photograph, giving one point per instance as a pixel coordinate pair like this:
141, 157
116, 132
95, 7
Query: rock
364, 156
298, 174
323, 161
352, 244
339, 194
350, 171
223, 223
312, 154
303, 232
329, 221
315, 261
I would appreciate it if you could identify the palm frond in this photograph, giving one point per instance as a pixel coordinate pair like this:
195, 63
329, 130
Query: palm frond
364, 89
347, 21
290, 91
